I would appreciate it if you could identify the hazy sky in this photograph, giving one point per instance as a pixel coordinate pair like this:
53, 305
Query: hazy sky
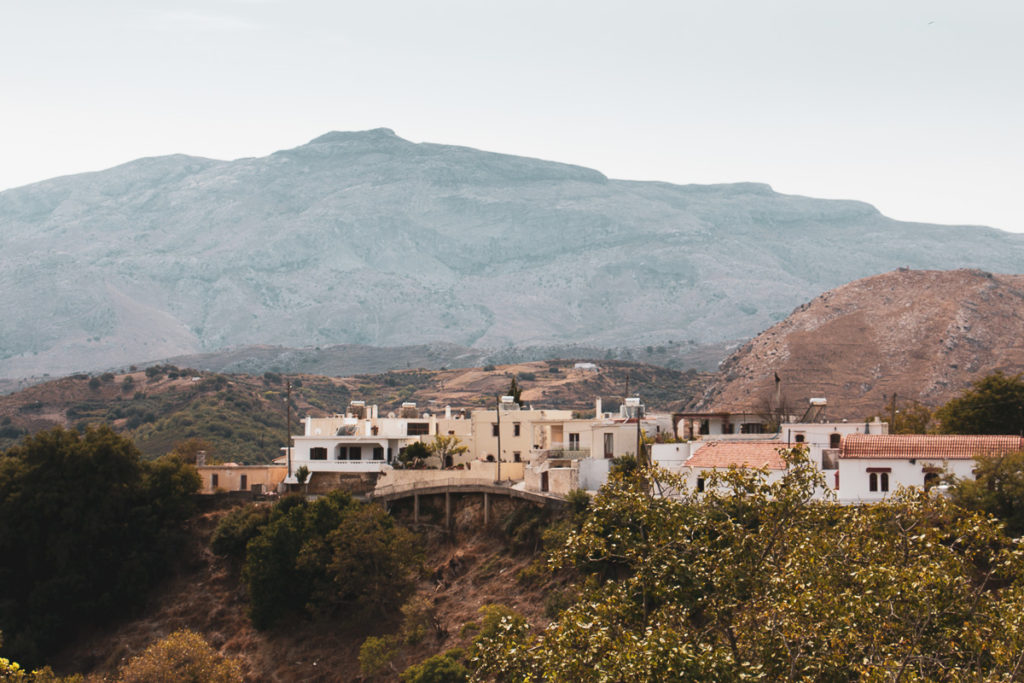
914, 106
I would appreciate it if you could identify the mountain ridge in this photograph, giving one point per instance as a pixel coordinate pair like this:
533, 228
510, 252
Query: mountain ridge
366, 238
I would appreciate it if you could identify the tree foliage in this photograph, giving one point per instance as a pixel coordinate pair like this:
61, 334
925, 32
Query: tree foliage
330, 557
182, 657
413, 455
445, 446
86, 528
756, 580
515, 391
993, 405
997, 489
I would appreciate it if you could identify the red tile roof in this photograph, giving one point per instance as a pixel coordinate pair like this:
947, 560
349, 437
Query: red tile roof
940, 447
739, 453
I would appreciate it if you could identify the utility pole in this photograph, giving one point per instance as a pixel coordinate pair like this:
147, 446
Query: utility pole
497, 411
288, 425
892, 412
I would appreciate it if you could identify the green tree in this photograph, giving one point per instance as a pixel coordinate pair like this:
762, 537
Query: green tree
997, 489
330, 557
86, 528
302, 475
413, 455
754, 579
993, 405
446, 447
182, 657
237, 528
446, 667
515, 391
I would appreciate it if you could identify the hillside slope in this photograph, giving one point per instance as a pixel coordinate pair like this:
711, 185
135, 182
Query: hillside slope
465, 570
366, 238
242, 417
923, 335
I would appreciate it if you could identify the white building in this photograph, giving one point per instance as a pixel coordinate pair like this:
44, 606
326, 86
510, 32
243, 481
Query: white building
871, 466
712, 456
361, 441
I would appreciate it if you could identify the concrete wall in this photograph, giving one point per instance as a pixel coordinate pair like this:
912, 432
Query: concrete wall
561, 480
476, 470
671, 456
593, 473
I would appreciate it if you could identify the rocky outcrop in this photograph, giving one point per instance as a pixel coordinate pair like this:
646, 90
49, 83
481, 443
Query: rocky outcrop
922, 335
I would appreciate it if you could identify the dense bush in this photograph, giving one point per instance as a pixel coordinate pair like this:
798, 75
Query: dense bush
182, 657
86, 528
756, 580
237, 528
330, 557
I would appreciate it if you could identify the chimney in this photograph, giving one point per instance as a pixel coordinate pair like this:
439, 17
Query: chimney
597, 407
447, 412
200, 458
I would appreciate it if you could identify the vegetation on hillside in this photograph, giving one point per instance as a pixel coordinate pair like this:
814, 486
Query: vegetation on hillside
182, 656
993, 405
241, 418
754, 580
86, 528
333, 557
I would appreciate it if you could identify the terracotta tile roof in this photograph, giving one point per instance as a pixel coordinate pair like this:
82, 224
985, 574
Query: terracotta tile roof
739, 453
940, 447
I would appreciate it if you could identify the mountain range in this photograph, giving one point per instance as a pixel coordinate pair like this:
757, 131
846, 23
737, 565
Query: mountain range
364, 238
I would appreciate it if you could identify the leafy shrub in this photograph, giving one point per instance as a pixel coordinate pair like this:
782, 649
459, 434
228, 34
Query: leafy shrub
329, 557
237, 528
441, 668
182, 656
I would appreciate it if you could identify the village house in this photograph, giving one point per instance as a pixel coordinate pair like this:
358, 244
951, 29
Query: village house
559, 466
234, 477
361, 441
873, 466
719, 456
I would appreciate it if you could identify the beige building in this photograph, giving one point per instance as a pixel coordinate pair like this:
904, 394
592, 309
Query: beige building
234, 477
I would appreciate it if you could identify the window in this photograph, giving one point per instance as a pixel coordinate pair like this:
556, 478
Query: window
700, 484
378, 452
574, 441
705, 426
245, 483
317, 453
515, 429
799, 438
417, 428
494, 429
833, 441
355, 452
214, 481
609, 446
517, 456
930, 479
752, 428
878, 478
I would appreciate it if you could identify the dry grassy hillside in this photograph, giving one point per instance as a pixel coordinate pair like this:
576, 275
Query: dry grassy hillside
923, 335
463, 571
242, 417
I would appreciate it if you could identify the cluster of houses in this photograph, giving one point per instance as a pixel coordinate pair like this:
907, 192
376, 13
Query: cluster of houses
554, 452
